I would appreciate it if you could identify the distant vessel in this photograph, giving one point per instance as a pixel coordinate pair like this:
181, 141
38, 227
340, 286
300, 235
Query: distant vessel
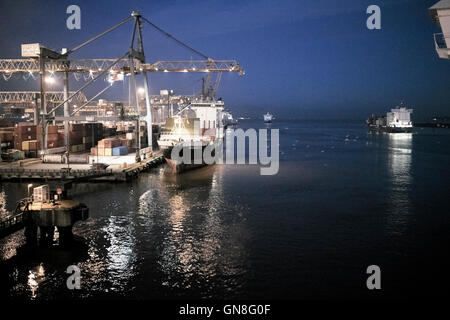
196, 127
268, 117
227, 119
398, 120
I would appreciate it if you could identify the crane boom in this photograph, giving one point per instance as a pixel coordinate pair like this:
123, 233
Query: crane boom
10, 66
29, 96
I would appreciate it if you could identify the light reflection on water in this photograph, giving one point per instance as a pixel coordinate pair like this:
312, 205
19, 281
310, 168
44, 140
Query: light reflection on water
121, 252
196, 239
36, 276
399, 164
227, 232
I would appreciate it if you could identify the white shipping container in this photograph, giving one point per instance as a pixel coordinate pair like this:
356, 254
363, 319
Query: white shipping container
41, 194
53, 158
31, 50
79, 158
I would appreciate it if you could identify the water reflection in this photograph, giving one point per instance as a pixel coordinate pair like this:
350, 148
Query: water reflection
121, 251
36, 276
399, 165
198, 245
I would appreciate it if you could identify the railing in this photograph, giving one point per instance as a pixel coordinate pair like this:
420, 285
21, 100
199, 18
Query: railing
442, 44
56, 172
12, 224
441, 40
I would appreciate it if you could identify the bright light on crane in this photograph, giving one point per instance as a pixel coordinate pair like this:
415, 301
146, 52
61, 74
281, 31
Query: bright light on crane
141, 90
49, 80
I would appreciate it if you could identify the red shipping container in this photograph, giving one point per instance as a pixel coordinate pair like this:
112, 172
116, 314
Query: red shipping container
25, 129
52, 137
112, 143
52, 144
6, 136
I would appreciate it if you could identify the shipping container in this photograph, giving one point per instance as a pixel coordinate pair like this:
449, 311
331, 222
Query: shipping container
108, 151
52, 144
52, 137
31, 154
79, 158
6, 136
30, 145
77, 148
54, 158
131, 135
41, 194
109, 143
120, 151
126, 142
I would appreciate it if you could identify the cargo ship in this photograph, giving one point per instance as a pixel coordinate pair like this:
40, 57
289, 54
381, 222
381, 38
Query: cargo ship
268, 117
193, 129
396, 121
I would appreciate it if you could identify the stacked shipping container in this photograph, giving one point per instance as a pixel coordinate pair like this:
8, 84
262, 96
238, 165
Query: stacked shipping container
28, 137
111, 146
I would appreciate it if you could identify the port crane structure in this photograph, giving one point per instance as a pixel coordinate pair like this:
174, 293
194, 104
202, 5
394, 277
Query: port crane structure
40, 59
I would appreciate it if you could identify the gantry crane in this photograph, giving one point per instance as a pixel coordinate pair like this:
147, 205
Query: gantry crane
42, 60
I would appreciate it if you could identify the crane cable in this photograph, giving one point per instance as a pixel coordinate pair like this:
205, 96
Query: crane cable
175, 39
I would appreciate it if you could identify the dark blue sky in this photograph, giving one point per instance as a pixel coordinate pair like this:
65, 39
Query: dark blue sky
303, 59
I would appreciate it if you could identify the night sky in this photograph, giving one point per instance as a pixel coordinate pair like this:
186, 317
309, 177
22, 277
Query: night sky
303, 59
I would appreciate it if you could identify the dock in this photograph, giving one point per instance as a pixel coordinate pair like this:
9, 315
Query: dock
77, 173
44, 216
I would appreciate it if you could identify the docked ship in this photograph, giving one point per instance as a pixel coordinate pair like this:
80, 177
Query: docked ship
268, 117
193, 129
396, 121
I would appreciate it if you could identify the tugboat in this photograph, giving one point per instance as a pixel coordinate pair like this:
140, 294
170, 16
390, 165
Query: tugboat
268, 117
396, 121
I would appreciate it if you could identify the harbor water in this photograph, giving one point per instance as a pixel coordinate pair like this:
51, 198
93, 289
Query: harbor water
343, 199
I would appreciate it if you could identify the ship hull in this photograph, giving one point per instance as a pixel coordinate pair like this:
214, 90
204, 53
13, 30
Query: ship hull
177, 167
391, 129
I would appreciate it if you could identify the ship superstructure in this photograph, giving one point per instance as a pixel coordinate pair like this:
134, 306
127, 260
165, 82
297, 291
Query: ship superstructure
268, 117
397, 120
